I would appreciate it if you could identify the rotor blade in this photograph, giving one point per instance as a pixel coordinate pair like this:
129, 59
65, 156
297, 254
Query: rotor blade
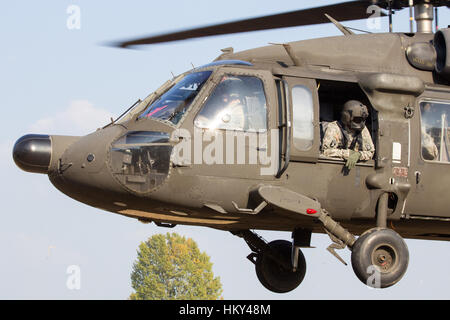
352, 10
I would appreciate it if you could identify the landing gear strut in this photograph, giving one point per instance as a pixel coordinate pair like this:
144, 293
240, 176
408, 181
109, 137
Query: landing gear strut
379, 256
274, 262
273, 275
379, 259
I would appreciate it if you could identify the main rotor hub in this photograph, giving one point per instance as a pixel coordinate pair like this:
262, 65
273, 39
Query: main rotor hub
423, 10
424, 16
400, 4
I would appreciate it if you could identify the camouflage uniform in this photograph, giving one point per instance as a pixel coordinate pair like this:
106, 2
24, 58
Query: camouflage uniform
429, 149
333, 143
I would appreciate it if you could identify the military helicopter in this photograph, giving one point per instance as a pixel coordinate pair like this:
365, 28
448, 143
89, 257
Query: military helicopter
236, 144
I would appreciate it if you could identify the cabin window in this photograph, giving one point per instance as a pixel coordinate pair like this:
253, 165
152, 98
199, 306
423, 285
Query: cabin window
435, 139
302, 118
237, 103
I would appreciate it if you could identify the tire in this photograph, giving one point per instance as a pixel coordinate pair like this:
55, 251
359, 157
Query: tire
273, 275
380, 257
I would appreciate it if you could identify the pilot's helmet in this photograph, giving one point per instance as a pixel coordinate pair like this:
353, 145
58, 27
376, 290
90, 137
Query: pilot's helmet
354, 115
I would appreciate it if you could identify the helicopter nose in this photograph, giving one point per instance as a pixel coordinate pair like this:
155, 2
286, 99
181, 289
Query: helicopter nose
33, 152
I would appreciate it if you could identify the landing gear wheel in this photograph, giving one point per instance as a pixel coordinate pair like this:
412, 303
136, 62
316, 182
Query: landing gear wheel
273, 275
380, 257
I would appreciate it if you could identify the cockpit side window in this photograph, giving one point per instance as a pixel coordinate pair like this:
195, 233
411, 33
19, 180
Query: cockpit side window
172, 105
435, 133
237, 103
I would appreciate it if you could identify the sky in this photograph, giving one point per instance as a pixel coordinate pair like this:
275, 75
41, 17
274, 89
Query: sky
56, 79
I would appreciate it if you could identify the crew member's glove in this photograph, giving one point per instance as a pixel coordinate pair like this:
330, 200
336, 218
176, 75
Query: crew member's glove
352, 159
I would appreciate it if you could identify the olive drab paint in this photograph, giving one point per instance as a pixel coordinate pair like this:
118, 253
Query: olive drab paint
237, 145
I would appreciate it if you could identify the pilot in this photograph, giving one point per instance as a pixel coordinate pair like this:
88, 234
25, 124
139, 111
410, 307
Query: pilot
349, 138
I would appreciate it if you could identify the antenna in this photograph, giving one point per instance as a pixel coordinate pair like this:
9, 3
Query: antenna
390, 15
338, 25
411, 18
436, 19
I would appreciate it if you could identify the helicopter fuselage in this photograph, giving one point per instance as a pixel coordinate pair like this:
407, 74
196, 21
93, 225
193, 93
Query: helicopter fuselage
180, 172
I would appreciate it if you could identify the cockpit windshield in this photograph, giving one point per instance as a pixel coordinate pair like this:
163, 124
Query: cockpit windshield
172, 105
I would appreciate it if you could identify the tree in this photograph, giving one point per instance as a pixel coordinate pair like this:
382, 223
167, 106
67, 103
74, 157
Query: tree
171, 267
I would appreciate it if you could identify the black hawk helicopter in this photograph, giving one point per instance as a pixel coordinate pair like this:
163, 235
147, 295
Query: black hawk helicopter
239, 144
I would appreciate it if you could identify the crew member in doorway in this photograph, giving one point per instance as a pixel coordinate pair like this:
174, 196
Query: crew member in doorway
348, 138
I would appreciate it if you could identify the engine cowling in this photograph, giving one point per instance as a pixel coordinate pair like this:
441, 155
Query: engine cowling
442, 46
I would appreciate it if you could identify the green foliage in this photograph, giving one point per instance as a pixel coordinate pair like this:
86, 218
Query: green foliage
171, 267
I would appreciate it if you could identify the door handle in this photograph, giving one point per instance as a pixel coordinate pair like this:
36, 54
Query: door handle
418, 176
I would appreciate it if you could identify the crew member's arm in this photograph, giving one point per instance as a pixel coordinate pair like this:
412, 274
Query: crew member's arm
368, 148
332, 143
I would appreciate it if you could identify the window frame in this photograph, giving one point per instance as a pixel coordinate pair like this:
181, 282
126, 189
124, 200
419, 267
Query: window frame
262, 75
430, 99
312, 154
170, 85
374, 127
296, 112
